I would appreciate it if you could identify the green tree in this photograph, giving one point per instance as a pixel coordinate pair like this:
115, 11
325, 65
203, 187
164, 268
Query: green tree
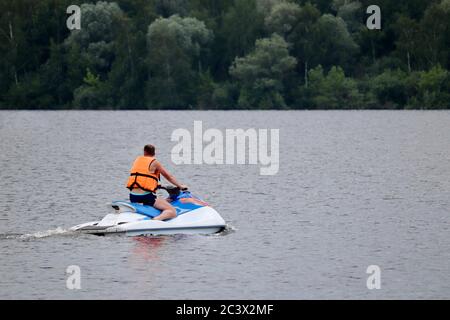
265, 6
261, 73
283, 18
433, 89
167, 8
242, 25
392, 88
333, 44
93, 47
297, 25
435, 27
314, 39
334, 90
29, 32
95, 41
93, 94
351, 12
175, 45
129, 70
408, 39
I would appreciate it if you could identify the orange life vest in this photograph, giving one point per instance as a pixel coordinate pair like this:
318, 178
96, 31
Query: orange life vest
140, 175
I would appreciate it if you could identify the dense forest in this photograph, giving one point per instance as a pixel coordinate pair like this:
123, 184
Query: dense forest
225, 54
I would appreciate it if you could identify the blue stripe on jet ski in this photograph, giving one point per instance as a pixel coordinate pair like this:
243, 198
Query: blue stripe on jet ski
146, 210
180, 207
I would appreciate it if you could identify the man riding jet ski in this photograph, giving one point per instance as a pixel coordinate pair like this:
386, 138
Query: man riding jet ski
143, 182
147, 214
193, 215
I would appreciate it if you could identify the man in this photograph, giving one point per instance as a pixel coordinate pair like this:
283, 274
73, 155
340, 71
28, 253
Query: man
143, 182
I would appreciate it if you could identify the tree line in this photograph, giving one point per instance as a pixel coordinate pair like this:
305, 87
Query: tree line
225, 54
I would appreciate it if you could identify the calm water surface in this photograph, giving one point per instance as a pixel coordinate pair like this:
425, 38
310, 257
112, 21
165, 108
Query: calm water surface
354, 189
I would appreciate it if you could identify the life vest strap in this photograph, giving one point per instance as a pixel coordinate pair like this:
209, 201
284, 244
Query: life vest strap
135, 183
136, 174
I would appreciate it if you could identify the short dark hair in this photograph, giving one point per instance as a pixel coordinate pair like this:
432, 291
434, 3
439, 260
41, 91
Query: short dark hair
149, 149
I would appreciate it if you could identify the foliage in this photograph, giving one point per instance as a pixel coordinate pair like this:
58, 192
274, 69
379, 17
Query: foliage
175, 45
333, 90
261, 73
433, 89
224, 54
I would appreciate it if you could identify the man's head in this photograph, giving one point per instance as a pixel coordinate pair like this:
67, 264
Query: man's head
149, 150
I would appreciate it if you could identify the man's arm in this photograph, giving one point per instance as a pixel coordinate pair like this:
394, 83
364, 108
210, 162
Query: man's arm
166, 174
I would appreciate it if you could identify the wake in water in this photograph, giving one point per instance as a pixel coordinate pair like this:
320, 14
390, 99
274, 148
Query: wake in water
44, 234
61, 231
36, 235
226, 231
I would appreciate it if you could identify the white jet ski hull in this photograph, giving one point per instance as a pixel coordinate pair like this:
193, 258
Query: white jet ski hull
202, 220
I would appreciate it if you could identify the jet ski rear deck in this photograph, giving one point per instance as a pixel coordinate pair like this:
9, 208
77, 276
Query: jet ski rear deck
194, 216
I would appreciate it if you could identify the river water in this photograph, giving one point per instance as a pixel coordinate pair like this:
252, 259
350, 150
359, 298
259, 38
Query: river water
354, 189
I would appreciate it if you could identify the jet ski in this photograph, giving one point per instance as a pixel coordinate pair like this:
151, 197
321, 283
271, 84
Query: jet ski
194, 216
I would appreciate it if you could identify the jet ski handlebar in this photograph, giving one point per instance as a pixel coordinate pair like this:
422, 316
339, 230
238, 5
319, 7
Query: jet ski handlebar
172, 190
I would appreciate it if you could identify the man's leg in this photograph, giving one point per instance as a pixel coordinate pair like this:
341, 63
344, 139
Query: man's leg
167, 210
